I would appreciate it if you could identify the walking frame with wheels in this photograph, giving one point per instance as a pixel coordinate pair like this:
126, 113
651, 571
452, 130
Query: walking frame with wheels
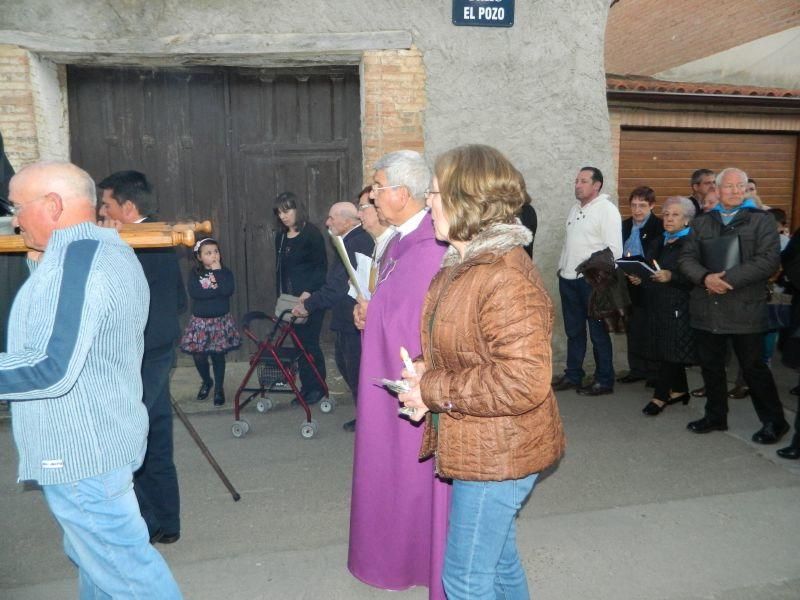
275, 365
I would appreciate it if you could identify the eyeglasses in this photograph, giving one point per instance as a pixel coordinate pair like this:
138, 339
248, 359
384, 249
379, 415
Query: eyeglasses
366, 206
429, 193
377, 188
13, 210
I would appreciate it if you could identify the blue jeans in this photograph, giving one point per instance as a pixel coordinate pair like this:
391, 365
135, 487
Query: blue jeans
575, 308
481, 560
106, 537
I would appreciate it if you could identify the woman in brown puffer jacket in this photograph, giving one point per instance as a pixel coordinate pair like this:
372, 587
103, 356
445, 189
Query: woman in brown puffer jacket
483, 385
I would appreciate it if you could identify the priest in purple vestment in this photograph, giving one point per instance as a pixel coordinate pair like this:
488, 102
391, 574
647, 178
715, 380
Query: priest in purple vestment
399, 508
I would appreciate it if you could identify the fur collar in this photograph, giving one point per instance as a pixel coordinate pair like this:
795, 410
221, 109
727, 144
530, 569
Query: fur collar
490, 244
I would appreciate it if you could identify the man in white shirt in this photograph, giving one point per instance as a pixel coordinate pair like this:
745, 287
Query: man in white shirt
594, 223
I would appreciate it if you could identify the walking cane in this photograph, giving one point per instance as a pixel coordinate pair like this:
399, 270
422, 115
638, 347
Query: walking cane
204, 449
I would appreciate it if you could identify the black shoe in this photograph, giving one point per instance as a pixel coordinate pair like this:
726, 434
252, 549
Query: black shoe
219, 398
595, 389
770, 433
650, 383
350, 426
562, 383
706, 425
311, 397
156, 536
684, 398
795, 391
699, 392
630, 378
169, 538
652, 409
739, 392
205, 389
791, 452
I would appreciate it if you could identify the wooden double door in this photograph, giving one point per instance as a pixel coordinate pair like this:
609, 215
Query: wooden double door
221, 143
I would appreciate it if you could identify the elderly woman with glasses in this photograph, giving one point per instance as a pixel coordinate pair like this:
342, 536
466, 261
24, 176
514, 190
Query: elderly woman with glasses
483, 384
301, 266
668, 333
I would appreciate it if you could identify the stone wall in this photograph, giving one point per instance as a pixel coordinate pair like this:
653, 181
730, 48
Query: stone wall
17, 116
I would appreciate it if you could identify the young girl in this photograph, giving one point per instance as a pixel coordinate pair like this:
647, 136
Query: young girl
211, 330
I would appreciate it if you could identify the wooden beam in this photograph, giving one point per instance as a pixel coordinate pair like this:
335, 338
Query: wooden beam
191, 49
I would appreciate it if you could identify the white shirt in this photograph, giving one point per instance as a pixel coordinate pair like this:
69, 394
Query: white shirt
590, 228
412, 223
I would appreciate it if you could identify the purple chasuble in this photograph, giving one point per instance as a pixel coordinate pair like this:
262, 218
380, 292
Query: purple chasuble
399, 508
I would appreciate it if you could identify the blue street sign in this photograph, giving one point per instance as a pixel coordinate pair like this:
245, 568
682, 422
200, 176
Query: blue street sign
483, 13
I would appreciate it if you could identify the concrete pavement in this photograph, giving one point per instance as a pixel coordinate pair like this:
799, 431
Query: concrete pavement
639, 508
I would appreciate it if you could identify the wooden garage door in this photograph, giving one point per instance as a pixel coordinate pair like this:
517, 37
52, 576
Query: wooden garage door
664, 160
221, 143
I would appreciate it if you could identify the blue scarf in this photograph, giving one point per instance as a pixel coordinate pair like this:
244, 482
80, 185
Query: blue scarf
668, 237
633, 245
727, 215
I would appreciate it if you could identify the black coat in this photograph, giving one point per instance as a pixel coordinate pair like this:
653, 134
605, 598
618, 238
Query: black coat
305, 265
669, 329
527, 216
744, 308
651, 236
167, 295
333, 294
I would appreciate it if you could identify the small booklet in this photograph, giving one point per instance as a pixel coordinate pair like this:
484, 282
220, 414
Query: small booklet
720, 253
636, 266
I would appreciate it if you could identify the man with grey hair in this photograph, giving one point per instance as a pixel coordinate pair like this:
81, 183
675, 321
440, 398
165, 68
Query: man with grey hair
398, 512
72, 375
730, 255
343, 222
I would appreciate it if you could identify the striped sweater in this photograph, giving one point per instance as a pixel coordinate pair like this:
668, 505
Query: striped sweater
72, 370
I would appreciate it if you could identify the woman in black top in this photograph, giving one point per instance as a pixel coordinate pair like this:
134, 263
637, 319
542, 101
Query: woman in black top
301, 265
669, 335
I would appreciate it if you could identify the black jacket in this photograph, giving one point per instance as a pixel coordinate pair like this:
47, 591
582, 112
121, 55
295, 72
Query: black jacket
305, 265
651, 237
333, 294
527, 216
167, 295
670, 336
209, 302
743, 309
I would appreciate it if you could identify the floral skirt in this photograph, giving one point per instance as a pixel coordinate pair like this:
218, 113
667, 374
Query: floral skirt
214, 334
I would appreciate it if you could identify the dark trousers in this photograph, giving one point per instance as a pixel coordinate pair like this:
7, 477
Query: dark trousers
308, 333
748, 348
156, 481
348, 358
575, 308
671, 378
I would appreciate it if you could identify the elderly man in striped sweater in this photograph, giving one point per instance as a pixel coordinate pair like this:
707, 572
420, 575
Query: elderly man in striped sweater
75, 342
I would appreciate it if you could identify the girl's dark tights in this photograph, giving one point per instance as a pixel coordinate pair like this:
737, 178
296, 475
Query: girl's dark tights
217, 362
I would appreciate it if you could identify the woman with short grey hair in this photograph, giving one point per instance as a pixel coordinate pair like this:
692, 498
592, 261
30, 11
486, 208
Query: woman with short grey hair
666, 296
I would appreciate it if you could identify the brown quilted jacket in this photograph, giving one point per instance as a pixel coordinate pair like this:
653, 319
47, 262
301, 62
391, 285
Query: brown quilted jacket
486, 331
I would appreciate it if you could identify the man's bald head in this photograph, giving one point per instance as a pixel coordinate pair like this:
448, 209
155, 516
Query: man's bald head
48, 196
342, 217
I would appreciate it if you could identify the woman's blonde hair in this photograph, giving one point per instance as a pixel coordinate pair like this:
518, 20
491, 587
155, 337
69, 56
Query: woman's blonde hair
479, 187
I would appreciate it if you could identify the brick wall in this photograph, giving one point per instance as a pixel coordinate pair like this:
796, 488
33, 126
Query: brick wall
17, 116
645, 37
393, 93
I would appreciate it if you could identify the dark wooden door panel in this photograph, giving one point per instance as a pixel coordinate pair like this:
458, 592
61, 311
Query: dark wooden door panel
221, 143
